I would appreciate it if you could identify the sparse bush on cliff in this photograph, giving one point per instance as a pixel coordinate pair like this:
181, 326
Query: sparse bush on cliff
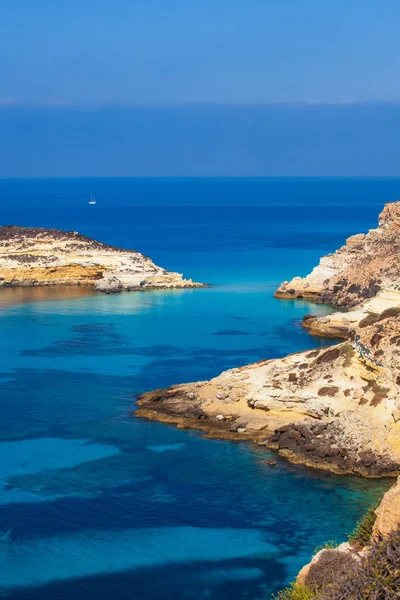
372, 318
369, 320
331, 566
377, 577
361, 536
393, 311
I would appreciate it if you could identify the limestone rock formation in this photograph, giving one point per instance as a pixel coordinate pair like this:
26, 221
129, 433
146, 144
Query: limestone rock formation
335, 408
365, 265
388, 513
35, 257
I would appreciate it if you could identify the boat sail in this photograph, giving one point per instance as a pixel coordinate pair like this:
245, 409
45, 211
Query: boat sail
92, 199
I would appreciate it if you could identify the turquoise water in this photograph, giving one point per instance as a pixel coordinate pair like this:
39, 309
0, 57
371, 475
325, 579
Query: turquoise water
95, 504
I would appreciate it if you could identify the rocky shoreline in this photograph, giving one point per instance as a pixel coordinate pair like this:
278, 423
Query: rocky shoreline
361, 278
51, 257
331, 408
336, 408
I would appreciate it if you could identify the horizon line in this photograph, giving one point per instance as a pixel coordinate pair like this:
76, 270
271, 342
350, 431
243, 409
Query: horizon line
190, 177
13, 103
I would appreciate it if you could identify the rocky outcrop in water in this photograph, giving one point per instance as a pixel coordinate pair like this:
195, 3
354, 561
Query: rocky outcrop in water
39, 257
335, 408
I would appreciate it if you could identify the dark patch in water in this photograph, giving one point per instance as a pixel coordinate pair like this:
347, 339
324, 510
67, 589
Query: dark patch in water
183, 582
77, 347
93, 328
232, 332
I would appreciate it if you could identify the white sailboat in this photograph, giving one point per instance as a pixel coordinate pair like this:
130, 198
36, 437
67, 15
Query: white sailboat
92, 199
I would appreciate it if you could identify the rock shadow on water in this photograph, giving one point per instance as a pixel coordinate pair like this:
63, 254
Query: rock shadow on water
109, 552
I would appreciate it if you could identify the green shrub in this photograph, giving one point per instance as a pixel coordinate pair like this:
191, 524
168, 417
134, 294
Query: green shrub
295, 591
361, 536
329, 545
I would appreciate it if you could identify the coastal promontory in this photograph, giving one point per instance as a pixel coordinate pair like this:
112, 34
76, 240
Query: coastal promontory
337, 407
51, 257
367, 264
361, 279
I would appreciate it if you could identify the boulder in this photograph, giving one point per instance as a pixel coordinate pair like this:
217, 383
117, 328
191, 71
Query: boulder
108, 285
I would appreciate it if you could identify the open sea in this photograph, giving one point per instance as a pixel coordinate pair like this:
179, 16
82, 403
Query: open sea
95, 504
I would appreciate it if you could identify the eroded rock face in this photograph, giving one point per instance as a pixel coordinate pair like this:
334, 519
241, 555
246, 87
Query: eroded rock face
33, 257
365, 265
335, 408
388, 513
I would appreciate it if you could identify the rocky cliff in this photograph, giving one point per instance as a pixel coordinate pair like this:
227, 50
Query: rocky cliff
362, 279
35, 257
335, 408
365, 265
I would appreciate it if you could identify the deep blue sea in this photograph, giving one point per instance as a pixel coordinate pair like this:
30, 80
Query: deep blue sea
95, 504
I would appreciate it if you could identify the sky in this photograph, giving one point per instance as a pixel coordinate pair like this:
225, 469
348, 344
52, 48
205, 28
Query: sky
195, 51
199, 87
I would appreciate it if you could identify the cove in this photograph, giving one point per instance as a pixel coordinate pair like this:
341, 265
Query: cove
96, 504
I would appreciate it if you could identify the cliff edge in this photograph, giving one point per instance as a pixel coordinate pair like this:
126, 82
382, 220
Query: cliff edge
40, 257
365, 265
362, 278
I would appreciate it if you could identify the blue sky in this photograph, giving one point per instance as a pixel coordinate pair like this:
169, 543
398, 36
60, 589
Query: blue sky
194, 51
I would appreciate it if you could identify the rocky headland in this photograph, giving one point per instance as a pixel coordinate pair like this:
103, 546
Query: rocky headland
362, 278
51, 257
335, 408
